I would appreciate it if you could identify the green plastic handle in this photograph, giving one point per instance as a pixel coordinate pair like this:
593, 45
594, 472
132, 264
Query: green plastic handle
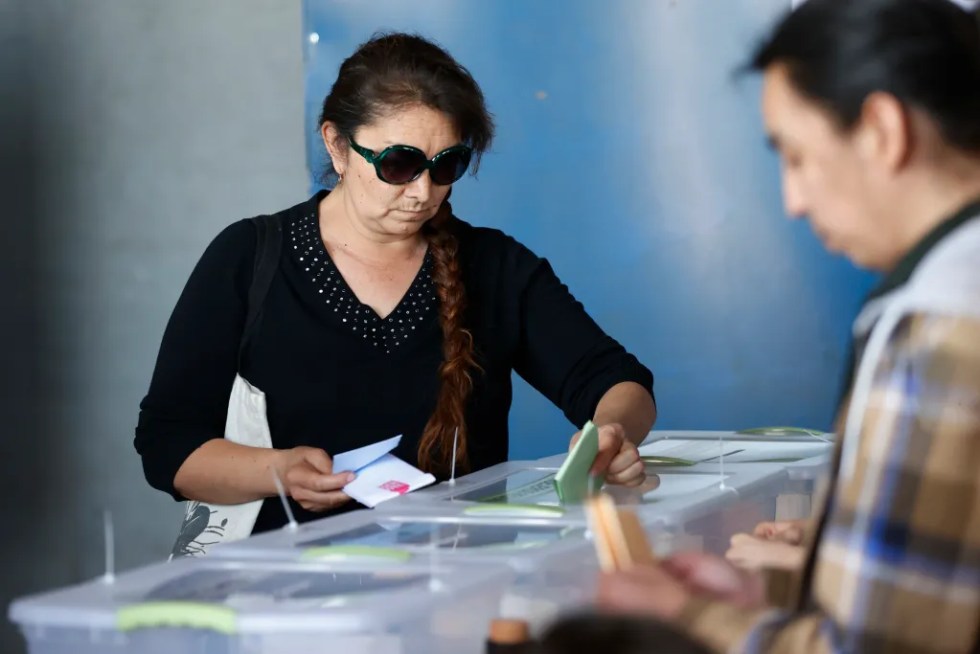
530, 510
355, 552
513, 547
666, 461
780, 431
193, 615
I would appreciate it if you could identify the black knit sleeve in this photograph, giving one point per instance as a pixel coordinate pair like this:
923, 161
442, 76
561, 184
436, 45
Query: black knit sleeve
562, 352
188, 397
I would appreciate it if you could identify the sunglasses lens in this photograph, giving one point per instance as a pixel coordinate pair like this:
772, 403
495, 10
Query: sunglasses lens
450, 167
401, 166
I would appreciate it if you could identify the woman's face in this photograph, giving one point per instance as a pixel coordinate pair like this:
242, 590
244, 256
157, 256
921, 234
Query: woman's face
389, 210
828, 176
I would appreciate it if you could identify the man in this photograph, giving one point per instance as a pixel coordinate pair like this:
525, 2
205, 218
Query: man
874, 108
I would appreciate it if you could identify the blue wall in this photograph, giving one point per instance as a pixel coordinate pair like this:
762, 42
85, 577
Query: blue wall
631, 157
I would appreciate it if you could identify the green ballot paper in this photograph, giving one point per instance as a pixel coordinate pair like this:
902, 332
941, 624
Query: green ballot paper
572, 481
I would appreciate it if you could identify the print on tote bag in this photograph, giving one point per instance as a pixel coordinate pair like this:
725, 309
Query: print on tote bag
206, 525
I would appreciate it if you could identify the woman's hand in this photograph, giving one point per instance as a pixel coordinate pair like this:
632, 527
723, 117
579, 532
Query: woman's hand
631, 495
618, 458
307, 473
753, 553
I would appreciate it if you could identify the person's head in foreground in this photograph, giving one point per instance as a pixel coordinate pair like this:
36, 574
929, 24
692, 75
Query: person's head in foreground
874, 109
612, 634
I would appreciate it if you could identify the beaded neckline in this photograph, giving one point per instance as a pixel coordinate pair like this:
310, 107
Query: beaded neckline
328, 285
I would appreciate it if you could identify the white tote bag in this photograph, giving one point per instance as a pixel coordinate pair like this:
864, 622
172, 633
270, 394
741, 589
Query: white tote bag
206, 525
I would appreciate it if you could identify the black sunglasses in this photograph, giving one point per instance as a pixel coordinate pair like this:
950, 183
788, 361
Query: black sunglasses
401, 164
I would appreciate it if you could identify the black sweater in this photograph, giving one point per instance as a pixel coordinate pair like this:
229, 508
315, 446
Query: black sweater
338, 377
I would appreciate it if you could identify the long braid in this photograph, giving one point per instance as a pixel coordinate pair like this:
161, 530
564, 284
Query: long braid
455, 373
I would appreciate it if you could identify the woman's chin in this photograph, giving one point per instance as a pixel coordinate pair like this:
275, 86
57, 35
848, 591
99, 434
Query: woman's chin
410, 219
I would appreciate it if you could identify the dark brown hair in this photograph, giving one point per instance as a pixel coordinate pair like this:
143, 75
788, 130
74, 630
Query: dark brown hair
926, 53
387, 73
588, 632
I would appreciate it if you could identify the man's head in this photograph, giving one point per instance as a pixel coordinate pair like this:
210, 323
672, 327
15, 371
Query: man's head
868, 103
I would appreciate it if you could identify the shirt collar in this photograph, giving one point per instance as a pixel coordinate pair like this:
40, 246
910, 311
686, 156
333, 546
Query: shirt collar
901, 273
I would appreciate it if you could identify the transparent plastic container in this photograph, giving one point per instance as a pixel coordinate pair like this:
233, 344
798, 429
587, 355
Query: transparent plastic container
809, 470
764, 433
803, 483
513, 489
738, 447
671, 495
698, 507
417, 532
210, 605
732, 498
805, 455
775, 445
552, 559
555, 460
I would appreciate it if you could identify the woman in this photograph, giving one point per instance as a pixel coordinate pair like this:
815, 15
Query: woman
874, 108
388, 315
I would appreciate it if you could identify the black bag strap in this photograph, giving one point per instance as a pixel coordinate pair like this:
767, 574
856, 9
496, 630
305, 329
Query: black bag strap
268, 246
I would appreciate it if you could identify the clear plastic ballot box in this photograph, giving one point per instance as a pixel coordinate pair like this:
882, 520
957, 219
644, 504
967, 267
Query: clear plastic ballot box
210, 605
552, 558
734, 496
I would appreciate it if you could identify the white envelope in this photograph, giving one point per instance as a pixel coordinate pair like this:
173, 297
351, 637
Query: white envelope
354, 460
385, 479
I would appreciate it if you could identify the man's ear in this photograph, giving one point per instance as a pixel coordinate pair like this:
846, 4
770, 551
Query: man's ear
884, 133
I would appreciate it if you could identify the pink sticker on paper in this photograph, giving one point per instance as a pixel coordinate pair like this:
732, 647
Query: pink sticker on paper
395, 486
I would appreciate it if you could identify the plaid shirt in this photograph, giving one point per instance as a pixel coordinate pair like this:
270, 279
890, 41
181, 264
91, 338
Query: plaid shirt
895, 562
